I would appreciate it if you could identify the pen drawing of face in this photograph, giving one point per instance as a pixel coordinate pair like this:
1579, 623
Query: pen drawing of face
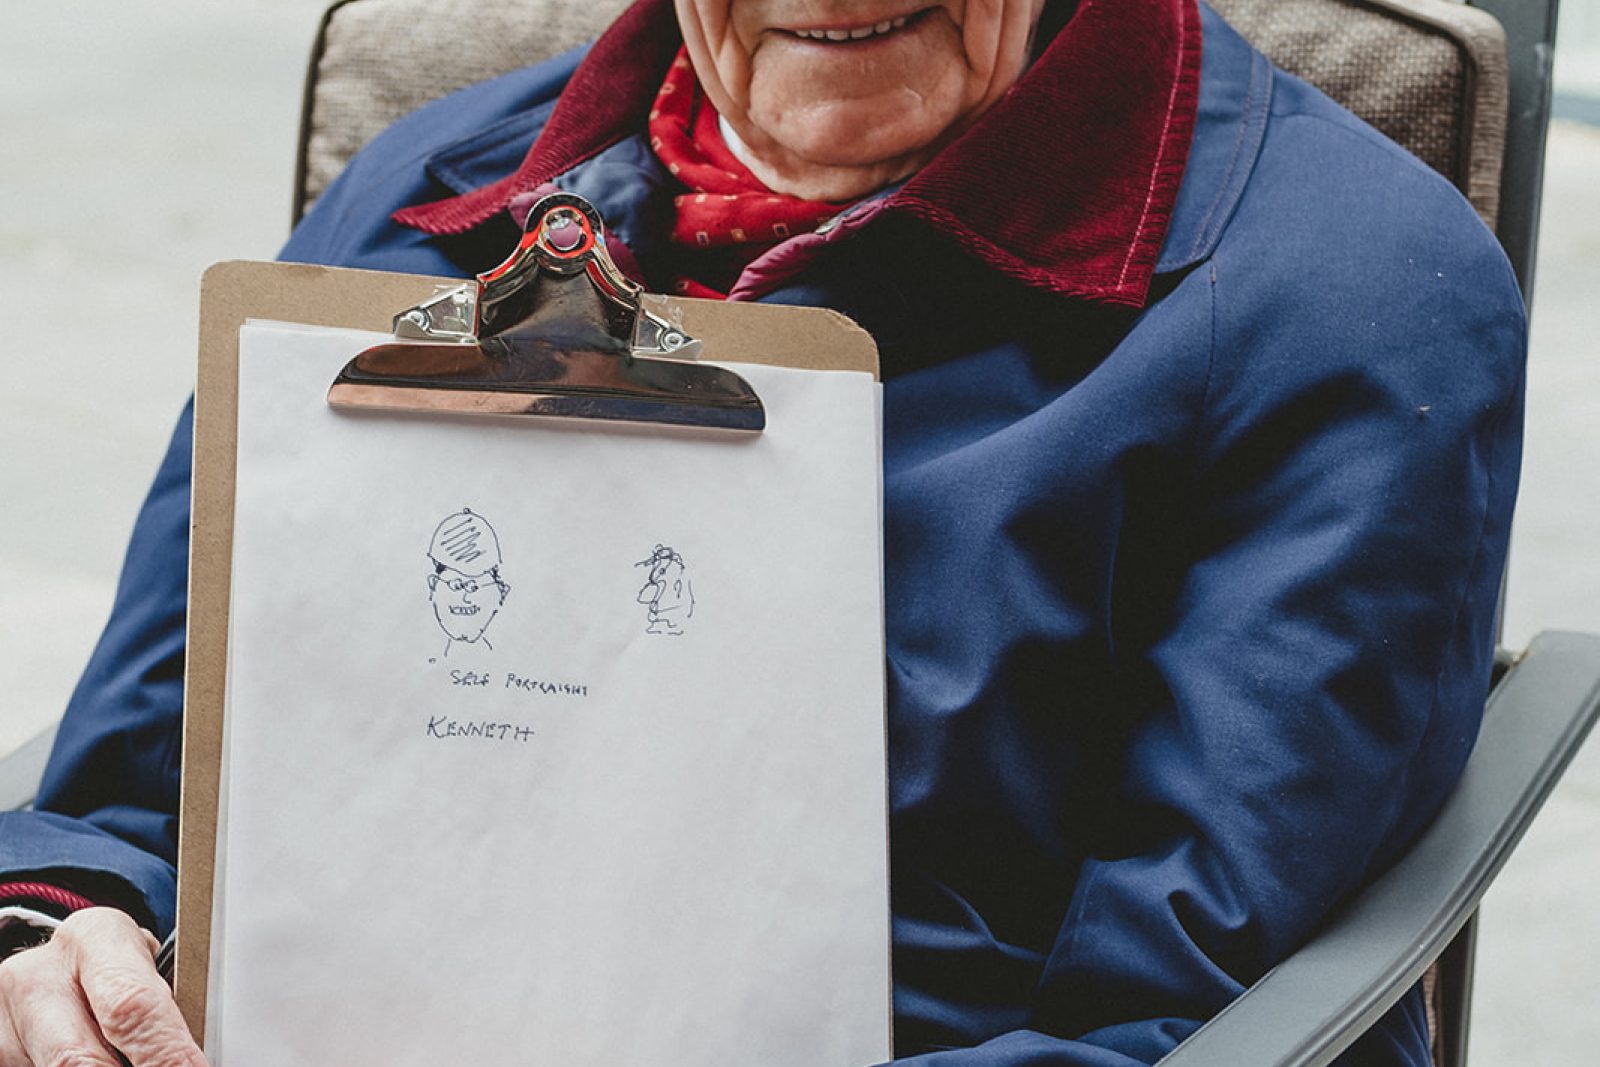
465, 588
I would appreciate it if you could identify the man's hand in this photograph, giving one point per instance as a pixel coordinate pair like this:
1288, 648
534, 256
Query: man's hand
90, 992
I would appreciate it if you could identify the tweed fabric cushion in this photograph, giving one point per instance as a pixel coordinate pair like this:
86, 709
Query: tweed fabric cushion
377, 60
1429, 73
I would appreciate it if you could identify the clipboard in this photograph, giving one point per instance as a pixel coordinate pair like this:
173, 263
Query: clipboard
236, 291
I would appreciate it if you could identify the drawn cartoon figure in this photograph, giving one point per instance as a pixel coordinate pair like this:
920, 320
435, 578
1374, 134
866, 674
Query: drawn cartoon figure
465, 587
667, 592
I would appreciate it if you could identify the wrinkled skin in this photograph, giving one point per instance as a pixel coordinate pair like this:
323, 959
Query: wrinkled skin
91, 989
834, 120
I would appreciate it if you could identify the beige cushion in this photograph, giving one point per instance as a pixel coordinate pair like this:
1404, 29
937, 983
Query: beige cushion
1429, 73
377, 60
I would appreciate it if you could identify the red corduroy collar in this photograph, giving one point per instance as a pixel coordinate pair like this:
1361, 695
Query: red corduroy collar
1067, 184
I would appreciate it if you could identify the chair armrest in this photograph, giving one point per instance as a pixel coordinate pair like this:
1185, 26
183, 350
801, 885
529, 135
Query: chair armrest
1312, 1006
21, 770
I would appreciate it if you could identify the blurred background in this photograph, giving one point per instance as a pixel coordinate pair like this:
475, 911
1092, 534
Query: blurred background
139, 143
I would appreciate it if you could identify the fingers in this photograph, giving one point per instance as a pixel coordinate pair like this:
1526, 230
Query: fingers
49, 1021
93, 988
11, 1054
115, 964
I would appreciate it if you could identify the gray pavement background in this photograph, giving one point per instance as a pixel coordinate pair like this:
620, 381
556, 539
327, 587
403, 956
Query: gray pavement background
141, 142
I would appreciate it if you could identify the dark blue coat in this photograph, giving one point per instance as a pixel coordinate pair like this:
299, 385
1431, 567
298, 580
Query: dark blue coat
1190, 608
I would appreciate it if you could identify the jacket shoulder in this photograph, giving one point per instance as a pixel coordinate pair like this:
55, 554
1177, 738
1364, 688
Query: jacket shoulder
1340, 188
1382, 261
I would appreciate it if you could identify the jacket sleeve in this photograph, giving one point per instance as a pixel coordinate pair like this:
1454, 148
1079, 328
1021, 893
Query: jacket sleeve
1307, 696
105, 822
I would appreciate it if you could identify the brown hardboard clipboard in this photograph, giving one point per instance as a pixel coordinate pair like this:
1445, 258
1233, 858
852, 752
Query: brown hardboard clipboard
236, 291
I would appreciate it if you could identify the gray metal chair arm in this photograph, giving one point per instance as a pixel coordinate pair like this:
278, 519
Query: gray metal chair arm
21, 770
1309, 1008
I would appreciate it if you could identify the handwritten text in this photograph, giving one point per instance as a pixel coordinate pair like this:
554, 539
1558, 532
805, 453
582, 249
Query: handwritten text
441, 726
534, 685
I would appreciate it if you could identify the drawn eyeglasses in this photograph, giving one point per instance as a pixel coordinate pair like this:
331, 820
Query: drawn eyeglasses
466, 585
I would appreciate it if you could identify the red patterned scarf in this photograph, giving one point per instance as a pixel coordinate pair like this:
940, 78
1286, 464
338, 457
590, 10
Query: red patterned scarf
726, 218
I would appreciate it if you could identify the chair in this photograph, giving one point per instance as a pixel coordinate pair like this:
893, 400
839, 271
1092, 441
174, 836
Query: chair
1438, 76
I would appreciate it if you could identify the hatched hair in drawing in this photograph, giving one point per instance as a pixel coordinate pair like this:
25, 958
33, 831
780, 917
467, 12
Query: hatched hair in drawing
465, 587
667, 594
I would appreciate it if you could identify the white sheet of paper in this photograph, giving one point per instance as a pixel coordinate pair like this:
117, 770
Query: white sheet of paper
637, 817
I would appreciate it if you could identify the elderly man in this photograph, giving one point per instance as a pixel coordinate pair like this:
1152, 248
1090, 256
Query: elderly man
1202, 414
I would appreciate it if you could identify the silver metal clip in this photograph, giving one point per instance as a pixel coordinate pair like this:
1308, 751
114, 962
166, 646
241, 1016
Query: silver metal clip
555, 330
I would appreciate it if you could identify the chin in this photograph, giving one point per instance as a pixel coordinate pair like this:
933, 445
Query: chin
851, 134
861, 105
856, 147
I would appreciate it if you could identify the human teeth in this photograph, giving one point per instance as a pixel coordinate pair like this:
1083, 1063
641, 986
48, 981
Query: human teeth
857, 34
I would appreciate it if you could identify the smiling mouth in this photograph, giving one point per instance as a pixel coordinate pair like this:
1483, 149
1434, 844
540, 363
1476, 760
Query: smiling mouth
848, 34
469, 609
